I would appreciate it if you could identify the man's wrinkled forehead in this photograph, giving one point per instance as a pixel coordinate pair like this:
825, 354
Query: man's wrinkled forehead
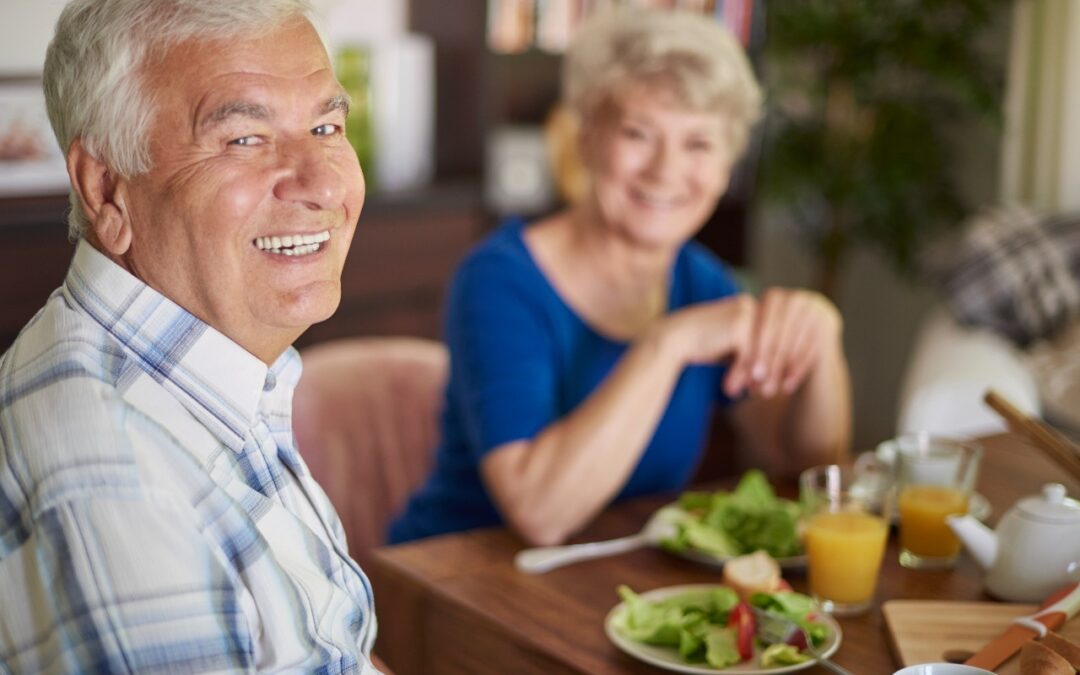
217, 81
292, 49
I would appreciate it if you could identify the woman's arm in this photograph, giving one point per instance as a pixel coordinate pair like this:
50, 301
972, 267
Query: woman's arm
550, 486
798, 411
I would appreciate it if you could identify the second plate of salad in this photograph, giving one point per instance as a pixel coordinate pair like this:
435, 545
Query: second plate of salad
722, 525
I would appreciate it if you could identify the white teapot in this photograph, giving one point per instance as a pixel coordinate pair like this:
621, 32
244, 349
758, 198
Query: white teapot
1035, 549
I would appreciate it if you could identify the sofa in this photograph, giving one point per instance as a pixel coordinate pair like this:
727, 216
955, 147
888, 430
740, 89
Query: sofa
950, 368
1009, 320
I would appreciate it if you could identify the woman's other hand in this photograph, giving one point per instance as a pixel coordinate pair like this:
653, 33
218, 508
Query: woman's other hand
794, 331
798, 411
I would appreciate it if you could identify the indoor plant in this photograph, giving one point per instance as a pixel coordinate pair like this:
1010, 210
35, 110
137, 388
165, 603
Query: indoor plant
862, 96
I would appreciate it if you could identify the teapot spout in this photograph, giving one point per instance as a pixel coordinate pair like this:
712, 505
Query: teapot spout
979, 539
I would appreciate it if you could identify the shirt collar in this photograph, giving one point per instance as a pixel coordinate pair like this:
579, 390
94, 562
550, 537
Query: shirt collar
214, 378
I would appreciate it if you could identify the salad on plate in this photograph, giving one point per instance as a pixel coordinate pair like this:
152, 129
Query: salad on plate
700, 628
726, 524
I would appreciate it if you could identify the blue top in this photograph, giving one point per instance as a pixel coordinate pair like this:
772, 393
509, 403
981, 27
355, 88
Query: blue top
521, 358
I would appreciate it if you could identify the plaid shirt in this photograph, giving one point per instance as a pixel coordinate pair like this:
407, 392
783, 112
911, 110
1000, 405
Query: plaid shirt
154, 512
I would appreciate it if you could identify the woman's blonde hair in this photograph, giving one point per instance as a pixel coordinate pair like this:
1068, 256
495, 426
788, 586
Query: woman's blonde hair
692, 56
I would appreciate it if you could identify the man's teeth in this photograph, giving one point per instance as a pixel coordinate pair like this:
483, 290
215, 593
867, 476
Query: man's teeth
295, 244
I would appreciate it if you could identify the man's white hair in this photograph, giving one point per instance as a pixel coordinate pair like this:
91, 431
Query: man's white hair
696, 57
94, 78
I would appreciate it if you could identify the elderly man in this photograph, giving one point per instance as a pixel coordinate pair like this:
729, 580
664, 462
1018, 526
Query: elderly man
154, 513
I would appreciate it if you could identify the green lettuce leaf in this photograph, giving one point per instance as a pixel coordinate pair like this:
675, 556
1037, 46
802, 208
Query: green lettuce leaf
782, 655
720, 648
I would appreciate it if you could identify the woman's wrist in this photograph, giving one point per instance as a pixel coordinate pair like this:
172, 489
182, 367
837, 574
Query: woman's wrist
666, 342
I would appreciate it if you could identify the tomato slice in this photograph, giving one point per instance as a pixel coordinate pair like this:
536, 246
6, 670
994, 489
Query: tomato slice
745, 625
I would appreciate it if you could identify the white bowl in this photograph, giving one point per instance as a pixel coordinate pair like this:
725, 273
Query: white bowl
942, 669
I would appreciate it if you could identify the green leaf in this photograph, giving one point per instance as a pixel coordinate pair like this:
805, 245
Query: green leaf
720, 648
782, 655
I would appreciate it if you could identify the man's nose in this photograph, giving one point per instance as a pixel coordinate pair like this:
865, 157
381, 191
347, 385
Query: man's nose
311, 175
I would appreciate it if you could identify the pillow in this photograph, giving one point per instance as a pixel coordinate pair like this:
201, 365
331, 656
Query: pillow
1011, 271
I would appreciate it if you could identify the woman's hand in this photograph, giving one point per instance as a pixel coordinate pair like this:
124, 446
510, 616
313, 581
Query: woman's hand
772, 343
794, 330
712, 331
798, 413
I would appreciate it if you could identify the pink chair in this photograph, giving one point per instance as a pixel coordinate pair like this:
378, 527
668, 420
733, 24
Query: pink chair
365, 414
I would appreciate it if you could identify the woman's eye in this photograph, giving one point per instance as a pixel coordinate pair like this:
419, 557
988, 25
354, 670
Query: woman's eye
326, 130
700, 146
634, 133
245, 141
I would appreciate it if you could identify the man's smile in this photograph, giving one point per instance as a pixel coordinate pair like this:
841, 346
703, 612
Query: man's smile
293, 244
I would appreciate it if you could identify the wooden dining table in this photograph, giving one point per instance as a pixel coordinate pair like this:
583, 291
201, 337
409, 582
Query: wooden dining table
457, 604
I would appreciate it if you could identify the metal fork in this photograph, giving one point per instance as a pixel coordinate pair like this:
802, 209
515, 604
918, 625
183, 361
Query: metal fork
774, 628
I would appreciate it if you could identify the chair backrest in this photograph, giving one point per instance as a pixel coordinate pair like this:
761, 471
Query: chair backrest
365, 414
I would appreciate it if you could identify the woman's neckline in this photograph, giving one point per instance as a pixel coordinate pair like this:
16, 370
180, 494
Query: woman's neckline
519, 225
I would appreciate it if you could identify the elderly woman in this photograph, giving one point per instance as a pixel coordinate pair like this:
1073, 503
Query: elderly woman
589, 349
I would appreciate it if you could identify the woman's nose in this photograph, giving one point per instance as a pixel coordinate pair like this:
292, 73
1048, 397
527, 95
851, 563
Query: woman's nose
663, 162
312, 176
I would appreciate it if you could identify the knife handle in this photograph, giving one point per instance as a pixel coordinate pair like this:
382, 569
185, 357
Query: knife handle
1061, 605
1060, 611
1041, 623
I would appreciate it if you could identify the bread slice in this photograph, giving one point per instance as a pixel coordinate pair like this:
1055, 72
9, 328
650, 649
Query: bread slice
1069, 650
756, 572
1038, 659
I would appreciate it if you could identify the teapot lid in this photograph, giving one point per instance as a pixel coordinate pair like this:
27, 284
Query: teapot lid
1052, 506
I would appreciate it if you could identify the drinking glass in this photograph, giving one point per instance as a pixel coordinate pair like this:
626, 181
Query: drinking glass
934, 479
845, 539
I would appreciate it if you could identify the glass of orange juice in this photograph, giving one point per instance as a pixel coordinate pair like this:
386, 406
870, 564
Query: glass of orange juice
934, 478
844, 538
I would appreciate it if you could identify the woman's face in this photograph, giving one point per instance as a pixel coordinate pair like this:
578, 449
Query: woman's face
657, 168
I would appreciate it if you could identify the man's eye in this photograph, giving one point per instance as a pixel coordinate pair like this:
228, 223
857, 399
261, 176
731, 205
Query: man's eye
326, 130
245, 141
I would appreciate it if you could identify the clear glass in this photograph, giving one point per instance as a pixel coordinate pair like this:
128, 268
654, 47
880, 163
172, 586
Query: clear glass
934, 479
845, 538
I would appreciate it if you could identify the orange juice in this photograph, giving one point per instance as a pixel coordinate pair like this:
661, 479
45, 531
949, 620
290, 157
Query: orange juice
845, 550
923, 530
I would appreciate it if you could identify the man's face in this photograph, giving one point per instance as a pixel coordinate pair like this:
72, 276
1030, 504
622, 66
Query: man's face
248, 212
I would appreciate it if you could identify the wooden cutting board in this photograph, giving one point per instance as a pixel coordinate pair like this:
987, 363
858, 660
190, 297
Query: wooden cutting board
921, 631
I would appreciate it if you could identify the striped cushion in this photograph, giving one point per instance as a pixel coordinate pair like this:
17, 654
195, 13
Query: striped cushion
1012, 271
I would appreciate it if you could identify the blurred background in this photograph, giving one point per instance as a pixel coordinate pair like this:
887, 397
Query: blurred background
890, 123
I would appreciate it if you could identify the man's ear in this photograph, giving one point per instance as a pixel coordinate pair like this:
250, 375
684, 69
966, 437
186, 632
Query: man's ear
100, 194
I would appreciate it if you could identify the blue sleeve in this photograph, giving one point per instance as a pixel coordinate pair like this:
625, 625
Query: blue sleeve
502, 351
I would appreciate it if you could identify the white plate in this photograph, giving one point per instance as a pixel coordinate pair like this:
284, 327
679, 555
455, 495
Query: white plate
668, 658
716, 561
